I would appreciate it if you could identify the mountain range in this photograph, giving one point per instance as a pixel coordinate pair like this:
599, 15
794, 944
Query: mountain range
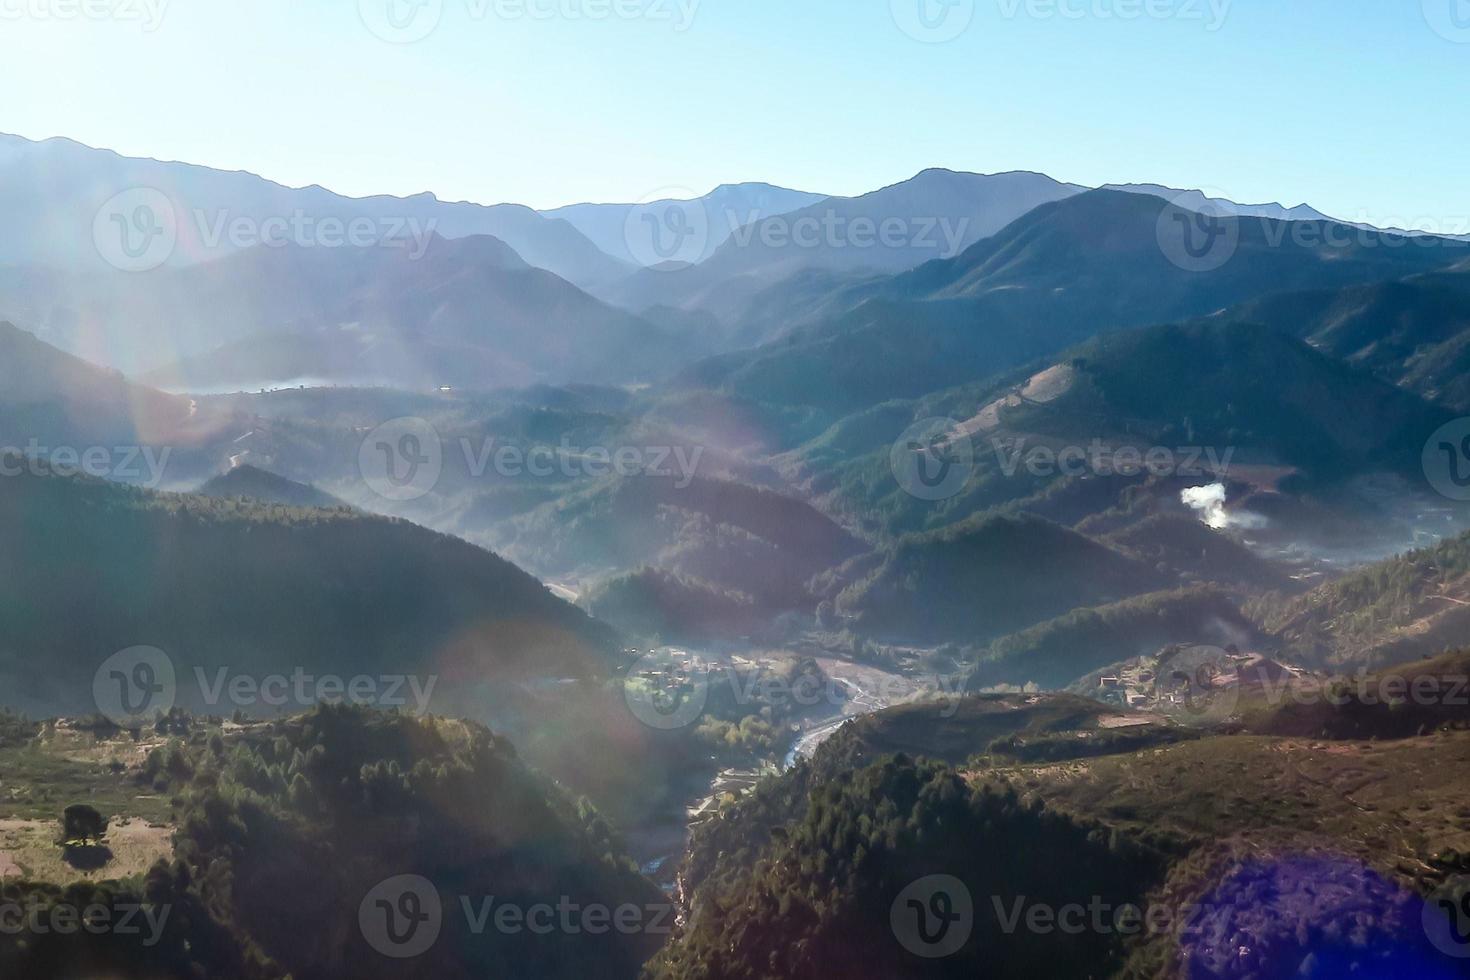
54, 189
468, 312
618, 228
932, 216
946, 529
1065, 271
253, 294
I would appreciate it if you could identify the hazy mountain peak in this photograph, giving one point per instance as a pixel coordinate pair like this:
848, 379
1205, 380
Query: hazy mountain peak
753, 185
253, 483
723, 210
935, 214
1197, 200
53, 191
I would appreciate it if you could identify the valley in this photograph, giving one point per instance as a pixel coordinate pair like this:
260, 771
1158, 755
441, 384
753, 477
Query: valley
778, 592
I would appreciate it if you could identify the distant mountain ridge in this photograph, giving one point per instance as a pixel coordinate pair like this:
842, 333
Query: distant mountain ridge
52, 189
51, 192
724, 210
1196, 200
1064, 272
467, 312
935, 214
805, 259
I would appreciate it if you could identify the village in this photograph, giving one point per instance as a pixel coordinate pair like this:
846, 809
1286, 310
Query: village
1191, 679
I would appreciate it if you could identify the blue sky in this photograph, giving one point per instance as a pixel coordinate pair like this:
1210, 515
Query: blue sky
1356, 106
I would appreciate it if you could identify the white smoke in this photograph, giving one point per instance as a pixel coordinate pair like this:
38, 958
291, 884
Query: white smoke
1209, 503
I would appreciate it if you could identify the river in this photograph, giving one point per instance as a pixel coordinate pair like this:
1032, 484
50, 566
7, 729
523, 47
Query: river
659, 848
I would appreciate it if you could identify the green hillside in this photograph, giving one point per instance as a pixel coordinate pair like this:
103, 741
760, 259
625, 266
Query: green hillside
1413, 332
1056, 653
90, 568
1382, 614
289, 832
986, 578
246, 482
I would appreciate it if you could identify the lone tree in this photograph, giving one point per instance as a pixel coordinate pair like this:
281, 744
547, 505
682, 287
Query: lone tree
83, 824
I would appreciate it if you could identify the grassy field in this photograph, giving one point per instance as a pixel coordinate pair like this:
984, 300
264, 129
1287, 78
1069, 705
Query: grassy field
1401, 807
1021, 726
57, 768
1397, 808
28, 850
38, 782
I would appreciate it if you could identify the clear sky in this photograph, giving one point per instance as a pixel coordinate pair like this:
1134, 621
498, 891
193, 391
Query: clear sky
1356, 106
